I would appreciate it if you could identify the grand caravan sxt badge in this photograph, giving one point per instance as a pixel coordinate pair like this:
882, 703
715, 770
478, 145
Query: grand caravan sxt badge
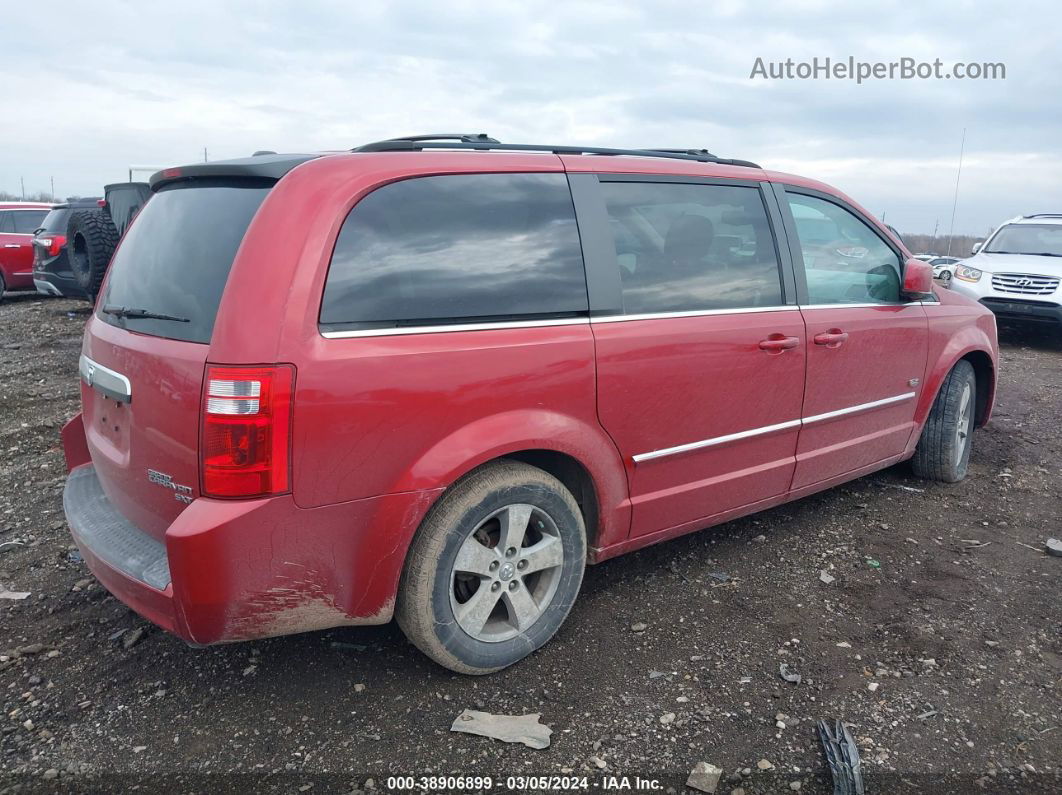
181, 493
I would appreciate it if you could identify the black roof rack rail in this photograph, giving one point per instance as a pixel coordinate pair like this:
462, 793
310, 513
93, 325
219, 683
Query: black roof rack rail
699, 152
412, 142
1043, 215
483, 142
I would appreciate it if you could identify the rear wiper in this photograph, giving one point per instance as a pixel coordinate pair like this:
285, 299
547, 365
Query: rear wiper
122, 311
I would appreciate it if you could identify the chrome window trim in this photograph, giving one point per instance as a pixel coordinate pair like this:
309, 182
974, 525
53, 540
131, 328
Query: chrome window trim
731, 437
391, 332
110, 382
487, 326
857, 306
691, 313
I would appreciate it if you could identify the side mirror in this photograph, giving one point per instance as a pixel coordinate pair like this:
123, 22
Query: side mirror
917, 279
977, 246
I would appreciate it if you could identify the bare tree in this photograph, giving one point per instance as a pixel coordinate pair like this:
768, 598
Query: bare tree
961, 245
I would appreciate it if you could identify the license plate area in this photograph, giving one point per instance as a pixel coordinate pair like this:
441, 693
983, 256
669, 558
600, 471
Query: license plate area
108, 426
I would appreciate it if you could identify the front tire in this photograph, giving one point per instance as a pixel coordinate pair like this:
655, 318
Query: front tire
494, 568
943, 451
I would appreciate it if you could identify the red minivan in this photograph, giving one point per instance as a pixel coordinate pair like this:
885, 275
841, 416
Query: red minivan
434, 377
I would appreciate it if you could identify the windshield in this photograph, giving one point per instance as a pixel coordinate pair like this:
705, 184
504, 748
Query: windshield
1044, 239
168, 274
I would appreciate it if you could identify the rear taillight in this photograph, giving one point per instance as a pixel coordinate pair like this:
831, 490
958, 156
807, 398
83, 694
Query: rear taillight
53, 243
246, 430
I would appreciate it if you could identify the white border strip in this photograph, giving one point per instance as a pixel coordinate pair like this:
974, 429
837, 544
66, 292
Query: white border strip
732, 437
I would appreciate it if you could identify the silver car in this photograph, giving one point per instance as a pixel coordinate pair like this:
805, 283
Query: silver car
1016, 272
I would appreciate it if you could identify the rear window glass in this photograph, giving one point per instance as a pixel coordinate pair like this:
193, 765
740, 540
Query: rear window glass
55, 221
176, 258
459, 248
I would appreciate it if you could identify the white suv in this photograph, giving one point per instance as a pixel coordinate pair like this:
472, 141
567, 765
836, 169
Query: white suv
1016, 272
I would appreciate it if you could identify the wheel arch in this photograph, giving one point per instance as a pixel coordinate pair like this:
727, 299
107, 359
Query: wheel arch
578, 454
985, 372
575, 477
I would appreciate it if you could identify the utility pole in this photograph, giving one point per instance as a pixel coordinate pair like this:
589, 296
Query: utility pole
204, 154
955, 203
936, 226
52, 180
22, 182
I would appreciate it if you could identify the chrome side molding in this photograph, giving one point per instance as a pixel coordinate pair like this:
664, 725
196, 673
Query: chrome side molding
829, 415
781, 426
730, 437
110, 383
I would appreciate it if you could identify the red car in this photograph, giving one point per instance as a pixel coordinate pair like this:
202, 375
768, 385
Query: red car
18, 221
432, 378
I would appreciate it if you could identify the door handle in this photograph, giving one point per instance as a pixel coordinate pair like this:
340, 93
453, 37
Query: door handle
777, 343
834, 338
12, 245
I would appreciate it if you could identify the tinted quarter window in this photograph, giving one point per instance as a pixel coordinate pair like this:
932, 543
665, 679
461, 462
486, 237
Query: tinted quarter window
176, 257
457, 248
844, 259
686, 247
7, 224
26, 222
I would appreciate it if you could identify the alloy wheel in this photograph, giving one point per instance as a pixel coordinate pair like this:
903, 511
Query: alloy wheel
963, 426
506, 573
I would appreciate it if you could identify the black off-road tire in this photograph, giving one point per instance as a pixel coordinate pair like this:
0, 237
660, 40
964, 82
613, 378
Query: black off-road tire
3, 287
938, 455
425, 605
91, 240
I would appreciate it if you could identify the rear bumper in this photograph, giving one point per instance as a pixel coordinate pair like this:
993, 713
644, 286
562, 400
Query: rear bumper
230, 570
131, 565
1019, 309
50, 282
45, 287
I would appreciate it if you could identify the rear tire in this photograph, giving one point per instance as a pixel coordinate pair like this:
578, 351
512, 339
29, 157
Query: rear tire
943, 451
493, 569
3, 287
92, 238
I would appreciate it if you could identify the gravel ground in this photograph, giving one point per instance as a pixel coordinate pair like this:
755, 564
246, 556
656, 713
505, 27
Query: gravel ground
939, 640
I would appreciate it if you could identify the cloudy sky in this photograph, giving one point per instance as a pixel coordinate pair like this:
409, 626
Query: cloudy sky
93, 88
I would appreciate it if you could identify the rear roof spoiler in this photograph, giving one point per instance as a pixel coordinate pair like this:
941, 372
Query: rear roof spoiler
262, 166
